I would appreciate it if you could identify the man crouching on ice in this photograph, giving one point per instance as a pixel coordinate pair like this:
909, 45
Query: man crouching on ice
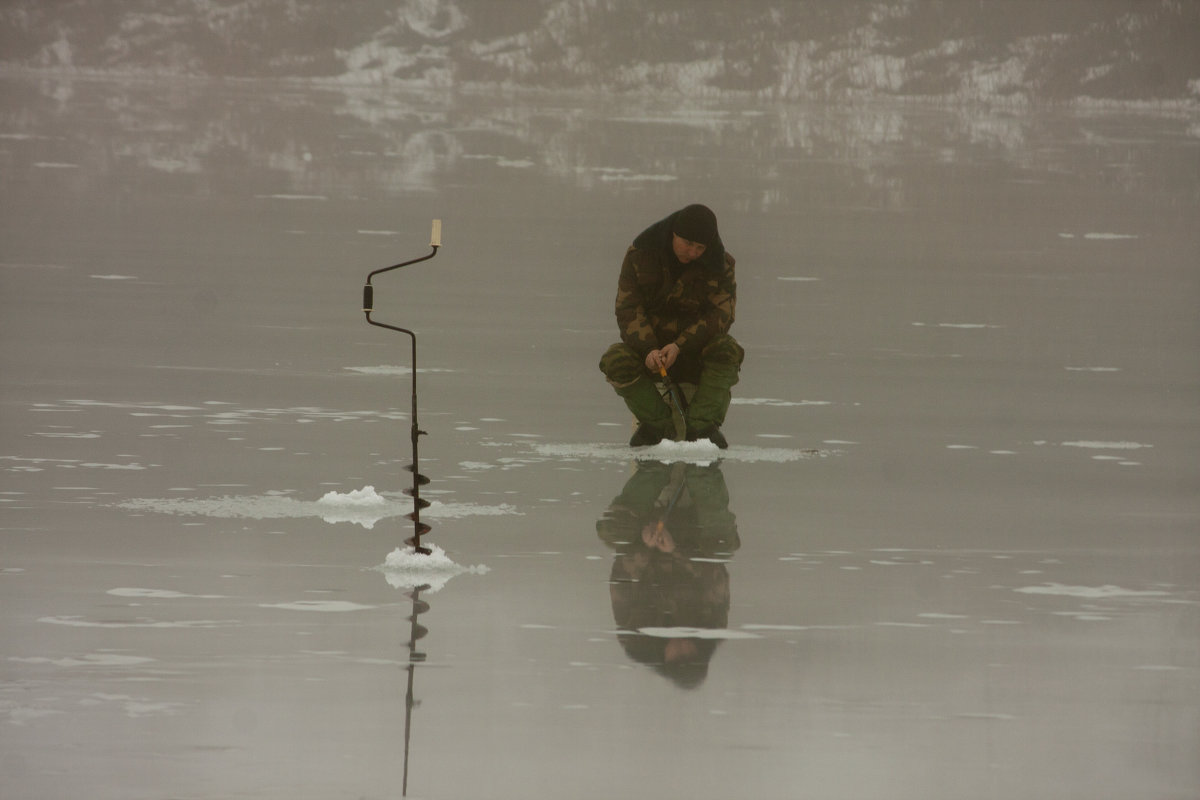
675, 305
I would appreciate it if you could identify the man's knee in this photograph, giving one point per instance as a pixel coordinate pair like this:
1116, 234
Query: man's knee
725, 351
621, 365
722, 359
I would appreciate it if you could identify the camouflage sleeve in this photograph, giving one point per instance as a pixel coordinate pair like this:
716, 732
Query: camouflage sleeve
718, 313
631, 306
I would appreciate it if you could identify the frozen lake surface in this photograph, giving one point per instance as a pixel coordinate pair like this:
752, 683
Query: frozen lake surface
952, 551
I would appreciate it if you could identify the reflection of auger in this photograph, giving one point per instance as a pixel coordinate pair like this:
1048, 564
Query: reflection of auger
415, 657
419, 480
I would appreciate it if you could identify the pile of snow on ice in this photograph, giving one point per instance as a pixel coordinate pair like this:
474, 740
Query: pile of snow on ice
406, 569
356, 498
362, 506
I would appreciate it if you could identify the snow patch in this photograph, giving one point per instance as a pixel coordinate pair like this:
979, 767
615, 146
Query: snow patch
388, 369
90, 660
160, 594
775, 627
140, 406
696, 633
959, 325
365, 497
701, 453
79, 622
363, 507
1107, 445
984, 715
609, 177
62, 435
771, 401
324, 606
1100, 236
1089, 592
406, 569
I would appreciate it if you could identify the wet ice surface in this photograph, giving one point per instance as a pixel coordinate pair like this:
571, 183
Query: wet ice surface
951, 551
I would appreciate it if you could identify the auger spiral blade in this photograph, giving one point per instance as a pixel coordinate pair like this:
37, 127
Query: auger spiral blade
419, 502
418, 607
421, 528
419, 479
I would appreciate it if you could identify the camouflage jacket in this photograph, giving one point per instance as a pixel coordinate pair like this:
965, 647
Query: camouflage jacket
660, 301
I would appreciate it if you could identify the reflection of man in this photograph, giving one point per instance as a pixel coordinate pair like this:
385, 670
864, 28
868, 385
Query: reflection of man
665, 524
675, 304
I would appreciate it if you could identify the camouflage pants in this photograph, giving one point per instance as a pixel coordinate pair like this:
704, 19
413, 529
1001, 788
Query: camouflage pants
714, 370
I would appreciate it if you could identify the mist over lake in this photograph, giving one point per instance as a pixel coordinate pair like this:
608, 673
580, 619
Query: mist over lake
950, 552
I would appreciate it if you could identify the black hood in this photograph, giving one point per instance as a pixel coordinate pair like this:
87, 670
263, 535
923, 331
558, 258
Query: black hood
658, 237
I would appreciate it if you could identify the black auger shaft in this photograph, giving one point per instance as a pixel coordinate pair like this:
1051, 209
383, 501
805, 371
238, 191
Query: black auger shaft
418, 480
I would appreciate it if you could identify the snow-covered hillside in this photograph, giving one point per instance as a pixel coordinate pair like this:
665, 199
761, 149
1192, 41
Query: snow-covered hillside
997, 51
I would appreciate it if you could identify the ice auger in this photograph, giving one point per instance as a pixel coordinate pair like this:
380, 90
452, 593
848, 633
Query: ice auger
418, 480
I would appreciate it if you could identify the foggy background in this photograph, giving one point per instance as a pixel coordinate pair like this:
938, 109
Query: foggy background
1013, 52
955, 550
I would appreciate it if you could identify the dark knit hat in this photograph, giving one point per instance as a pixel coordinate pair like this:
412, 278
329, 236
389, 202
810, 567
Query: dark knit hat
696, 223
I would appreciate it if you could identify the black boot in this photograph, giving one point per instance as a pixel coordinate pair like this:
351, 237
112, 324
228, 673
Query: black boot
646, 435
714, 435
707, 411
652, 413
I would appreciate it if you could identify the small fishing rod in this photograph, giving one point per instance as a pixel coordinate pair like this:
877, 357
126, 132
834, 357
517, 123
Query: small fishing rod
419, 480
677, 396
